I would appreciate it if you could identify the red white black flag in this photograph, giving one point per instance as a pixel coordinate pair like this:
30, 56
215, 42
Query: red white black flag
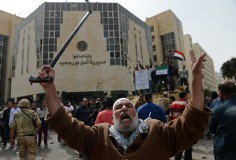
179, 55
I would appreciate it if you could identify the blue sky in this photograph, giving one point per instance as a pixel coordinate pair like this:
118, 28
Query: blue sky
211, 23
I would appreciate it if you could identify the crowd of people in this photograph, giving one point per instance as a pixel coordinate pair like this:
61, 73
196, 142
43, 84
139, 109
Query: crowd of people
88, 112
165, 81
121, 129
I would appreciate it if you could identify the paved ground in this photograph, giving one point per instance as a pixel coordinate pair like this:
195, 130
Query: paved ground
56, 151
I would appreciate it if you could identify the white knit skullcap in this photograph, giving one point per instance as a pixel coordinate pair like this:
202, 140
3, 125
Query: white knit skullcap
120, 99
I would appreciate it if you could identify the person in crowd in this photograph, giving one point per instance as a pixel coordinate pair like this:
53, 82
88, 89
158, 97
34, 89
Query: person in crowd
167, 112
154, 78
151, 110
176, 77
170, 76
96, 109
183, 76
140, 101
2, 107
84, 113
211, 103
164, 101
69, 109
42, 112
5, 123
23, 124
33, 106
216, 102
176, 110
178, 106
162, 78
105, 116
222, 122
214, 95
14, 109
150, 69
129, 137
90, 102
137, 67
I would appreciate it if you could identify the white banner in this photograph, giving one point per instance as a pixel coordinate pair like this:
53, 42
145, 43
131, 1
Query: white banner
141, 79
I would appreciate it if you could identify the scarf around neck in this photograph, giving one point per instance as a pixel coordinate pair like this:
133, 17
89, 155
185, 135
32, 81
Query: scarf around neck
125, 142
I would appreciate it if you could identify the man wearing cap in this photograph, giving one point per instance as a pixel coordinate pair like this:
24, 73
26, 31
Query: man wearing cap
129, 137
23, 123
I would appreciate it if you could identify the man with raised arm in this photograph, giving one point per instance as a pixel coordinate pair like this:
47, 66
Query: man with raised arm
129, 137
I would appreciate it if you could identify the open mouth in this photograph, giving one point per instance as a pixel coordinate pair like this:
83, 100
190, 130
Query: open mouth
125, 117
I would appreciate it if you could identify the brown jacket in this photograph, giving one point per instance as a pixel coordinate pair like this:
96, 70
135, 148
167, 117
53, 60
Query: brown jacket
160, 143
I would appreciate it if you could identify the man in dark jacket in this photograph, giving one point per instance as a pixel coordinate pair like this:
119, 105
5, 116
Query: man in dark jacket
222, 122
5, 123
129, 137
84, 113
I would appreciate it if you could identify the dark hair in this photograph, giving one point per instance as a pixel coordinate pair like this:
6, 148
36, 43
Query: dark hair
148, 96
182, 94
214, 95
109, 102
10, 100
98, 104
172, 98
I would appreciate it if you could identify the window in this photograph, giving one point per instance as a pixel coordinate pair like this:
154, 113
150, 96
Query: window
112, 61
154, 48
153, 38
152, 29
52, 14
155, 58
51, 33
110, 14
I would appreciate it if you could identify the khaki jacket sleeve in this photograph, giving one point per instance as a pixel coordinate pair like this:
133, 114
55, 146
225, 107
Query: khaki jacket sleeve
77, 135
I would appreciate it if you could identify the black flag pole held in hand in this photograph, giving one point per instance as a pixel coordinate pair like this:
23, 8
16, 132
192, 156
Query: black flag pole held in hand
49, 79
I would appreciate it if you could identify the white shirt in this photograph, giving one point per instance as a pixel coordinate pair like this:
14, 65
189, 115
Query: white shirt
69, 108
13, 110
42, 113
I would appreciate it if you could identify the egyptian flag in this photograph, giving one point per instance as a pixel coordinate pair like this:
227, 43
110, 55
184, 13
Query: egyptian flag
179, 55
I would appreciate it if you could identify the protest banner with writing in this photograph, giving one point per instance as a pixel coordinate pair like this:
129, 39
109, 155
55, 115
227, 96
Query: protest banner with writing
141, 79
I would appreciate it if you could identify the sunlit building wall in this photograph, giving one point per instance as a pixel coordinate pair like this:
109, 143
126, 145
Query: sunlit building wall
209, 81
98, 57
167, 36
7, 27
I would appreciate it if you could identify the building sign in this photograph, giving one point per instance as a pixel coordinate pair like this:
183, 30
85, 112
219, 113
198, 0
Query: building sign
82, 59
141, 79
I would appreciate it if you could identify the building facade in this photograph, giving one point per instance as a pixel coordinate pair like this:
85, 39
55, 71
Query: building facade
7, 28
96, 60
209, 81
167, 36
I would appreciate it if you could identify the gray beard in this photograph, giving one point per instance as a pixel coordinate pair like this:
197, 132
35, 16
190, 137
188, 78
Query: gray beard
130, 128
